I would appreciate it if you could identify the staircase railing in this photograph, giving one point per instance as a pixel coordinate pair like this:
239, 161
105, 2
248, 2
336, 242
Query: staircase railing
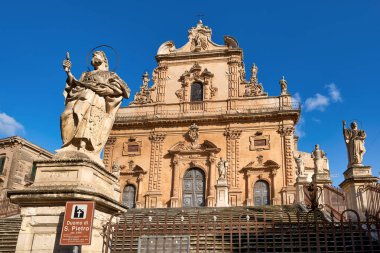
334, 200
239, 230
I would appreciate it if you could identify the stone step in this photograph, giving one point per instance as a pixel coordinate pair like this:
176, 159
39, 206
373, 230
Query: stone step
9, 229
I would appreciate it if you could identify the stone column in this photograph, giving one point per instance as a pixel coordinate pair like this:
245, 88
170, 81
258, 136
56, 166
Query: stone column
249, 189
139, 202
174, 198
212, 170
273, 175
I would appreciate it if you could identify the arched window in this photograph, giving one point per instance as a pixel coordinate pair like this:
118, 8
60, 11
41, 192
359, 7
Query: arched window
193, 190
129, 196
261, 193
196, 92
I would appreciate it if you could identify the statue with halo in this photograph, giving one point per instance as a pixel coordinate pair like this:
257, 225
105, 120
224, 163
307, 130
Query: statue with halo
91, 104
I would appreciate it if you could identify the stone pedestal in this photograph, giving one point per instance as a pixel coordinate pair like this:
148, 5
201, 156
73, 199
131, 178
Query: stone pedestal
300, 182
321, 179
221, 193
43, 204
288, 195
354, 177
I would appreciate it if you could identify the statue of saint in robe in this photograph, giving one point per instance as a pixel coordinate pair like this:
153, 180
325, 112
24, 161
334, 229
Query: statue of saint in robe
354, 139
91, 104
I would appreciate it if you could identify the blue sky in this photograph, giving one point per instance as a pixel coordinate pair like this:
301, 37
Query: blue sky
328, 51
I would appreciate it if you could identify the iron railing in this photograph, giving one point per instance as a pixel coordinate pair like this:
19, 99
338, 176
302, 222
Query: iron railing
238, 229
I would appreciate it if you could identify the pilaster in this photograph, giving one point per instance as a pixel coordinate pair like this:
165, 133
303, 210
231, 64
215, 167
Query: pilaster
157, 140
108, 152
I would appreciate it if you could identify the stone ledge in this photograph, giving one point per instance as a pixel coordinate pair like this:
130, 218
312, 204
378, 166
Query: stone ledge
58, 196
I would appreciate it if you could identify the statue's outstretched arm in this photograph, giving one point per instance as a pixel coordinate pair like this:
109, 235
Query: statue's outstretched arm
67, 67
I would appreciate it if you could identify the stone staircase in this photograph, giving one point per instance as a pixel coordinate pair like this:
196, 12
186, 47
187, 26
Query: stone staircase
239, 229
9, 229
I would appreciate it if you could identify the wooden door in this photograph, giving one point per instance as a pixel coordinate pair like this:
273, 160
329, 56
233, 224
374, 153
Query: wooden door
129, 196
193, 188
261, 193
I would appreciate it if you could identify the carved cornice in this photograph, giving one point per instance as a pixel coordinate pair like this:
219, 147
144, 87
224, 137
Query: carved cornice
205, 54
237, 117
14, 141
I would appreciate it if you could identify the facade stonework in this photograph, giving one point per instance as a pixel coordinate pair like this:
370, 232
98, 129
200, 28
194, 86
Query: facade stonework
200, 108
17, 156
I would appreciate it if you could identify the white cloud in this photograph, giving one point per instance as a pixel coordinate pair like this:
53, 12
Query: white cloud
296, 98
334, 93
318, 102
299, 128
316, 120
9, 126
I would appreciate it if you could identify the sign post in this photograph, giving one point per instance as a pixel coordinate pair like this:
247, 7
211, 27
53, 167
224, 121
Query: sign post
77, 223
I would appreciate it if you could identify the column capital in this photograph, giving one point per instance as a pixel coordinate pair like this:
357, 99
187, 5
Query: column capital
232, 133
157, 136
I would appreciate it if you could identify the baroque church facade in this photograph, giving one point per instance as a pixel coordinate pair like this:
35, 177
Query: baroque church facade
199, 112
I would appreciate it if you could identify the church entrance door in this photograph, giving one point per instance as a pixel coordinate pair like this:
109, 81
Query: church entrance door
261, 193
193, 193
129, 196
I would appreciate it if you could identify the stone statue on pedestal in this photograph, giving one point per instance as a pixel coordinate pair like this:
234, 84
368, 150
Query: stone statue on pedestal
91, 104
221, 184
318, 156
300, 165
222, 168
284, 86
354, 139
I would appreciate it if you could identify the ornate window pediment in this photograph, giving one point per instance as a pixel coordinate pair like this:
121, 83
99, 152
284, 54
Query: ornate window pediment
196, 85
261, 166
133, 170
